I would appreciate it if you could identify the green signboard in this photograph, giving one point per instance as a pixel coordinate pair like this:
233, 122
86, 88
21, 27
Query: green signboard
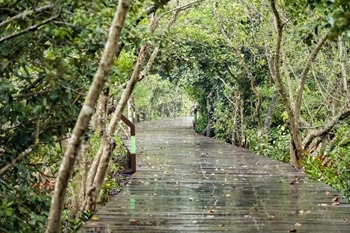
133, 145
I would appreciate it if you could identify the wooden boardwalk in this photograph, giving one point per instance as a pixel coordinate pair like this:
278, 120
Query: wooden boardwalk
189, 183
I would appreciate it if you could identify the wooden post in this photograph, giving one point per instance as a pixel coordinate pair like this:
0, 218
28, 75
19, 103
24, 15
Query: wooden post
132, 142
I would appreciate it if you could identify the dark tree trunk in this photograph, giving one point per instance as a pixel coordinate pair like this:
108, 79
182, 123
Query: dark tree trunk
270, 112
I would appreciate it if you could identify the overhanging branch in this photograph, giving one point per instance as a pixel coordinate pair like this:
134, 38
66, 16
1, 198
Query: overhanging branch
327, 128
24, 14
29, 29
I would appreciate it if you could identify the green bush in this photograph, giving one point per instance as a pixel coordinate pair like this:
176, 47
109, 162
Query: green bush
332, 164
275, 144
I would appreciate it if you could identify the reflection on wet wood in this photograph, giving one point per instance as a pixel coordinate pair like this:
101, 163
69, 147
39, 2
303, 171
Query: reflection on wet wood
189, 183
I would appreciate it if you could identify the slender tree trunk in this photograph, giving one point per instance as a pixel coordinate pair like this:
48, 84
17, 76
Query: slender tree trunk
102, 127
235, 133
270, 112
243, 137
304, 76
131, 109
343, 61
209, 109
174, 108
97, 176
240, 57
195, 117
98, 172
57, 202
294, 157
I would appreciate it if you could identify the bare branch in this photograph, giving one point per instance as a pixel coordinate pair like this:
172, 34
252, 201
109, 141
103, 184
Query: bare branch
305, 73
29, 29
327, 128
180, 8
65, 24
146, 70
240, 57
24, 14
22, 95
228, 87
323, 90
19, 158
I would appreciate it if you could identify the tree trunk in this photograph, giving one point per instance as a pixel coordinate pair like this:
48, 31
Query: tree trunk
108, 145
270, 112
235, 134
277, 78
209, 98
131, 109
304, 76
57, 202
343, 61
243, 137
240, 58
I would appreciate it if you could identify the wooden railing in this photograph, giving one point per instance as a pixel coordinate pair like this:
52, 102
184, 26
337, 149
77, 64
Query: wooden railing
132, 151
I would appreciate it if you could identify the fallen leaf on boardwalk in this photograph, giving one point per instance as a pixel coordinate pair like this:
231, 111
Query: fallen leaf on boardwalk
293, 230
134, 222
272, 216
297, 225
95, 218
247, 216
211, 211
194, 222
93, 224
336, 199
221, 225
323, 204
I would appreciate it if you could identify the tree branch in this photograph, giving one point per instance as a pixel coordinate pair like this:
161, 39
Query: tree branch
24, 14
19, 158
29, 29
22, 95
73, 148
305, 73
296, 150
240, 57
228, 87
327, 128
277, 59
180, 8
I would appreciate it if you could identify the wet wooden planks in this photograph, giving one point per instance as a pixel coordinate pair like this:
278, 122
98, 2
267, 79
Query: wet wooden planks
189, 183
